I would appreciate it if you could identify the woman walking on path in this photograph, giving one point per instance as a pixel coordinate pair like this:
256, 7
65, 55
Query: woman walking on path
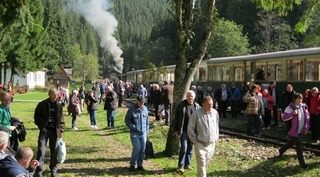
297, 120
74, 109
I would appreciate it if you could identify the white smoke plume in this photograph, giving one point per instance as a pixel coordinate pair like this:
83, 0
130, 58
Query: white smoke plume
95, 12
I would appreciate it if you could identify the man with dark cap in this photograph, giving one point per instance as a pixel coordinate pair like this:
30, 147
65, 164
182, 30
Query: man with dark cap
137, 121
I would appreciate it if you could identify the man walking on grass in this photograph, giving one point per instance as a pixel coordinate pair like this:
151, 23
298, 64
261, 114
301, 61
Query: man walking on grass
203, 131
183, 112
48, 116
137, 121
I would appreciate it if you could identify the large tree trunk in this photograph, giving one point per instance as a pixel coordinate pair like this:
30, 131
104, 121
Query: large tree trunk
183, 74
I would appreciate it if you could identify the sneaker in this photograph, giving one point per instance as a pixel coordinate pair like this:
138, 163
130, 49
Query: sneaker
264, 128
95, 127
180, 170
92, 126
75, 128
188, 167
279, 126
316, 143
54, 174
140, 168
132, 168
268, 127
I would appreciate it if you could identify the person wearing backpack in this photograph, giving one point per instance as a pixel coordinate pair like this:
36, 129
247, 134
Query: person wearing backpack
298, 122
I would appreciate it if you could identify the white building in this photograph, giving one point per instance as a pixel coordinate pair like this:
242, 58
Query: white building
31, 79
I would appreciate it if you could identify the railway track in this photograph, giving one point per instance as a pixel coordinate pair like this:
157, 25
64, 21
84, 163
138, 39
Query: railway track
276, 141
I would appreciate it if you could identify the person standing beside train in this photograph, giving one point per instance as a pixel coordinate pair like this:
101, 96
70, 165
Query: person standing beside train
167, 100
244, 90
274, 93
222, 95
252, 110
142, 91
156, 99
313, 103
297, 116
235, 95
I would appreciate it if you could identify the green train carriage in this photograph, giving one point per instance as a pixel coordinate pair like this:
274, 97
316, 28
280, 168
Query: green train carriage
297, 67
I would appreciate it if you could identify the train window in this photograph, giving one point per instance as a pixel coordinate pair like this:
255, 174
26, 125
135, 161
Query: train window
238, 72
248, 71
294, 70
209, 73
202, 74
217, 73
274, 71
228, 73
312, 69
260, 68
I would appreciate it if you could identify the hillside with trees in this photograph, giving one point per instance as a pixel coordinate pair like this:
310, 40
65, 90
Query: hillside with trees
41, 33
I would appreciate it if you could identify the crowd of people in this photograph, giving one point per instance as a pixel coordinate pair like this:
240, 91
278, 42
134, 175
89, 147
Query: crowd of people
196, 121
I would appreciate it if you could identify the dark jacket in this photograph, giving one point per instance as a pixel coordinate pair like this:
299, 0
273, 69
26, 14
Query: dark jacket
156, 97
111, 100
18, 135
180, 114
286, 99
9, 167
93, 102
42, 113
167, 94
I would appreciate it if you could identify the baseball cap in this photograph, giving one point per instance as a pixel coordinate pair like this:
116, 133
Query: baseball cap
141, 98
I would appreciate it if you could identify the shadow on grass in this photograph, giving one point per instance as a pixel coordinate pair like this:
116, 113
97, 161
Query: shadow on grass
268, 168
113, 171
95, 160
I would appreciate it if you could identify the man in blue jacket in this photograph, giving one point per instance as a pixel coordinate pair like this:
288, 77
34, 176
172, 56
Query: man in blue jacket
138, 123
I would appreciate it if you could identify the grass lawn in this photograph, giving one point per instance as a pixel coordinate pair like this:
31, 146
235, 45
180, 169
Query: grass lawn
106, 152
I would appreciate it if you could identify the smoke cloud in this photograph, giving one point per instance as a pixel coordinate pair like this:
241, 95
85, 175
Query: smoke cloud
95, 12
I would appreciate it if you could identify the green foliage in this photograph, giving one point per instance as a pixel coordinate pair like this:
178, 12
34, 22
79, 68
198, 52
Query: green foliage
273, 33
282, 6
22, 36
85, 67
227, 40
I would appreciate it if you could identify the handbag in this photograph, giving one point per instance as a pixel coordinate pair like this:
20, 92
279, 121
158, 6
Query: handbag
62, 151
149, 152
76, 109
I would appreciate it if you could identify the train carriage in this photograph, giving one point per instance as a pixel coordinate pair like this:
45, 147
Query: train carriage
298, 67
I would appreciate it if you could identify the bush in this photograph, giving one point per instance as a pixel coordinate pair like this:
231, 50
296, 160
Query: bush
41, 89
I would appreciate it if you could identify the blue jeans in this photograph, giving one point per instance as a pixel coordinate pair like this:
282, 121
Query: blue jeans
185, 153
233, 105
74, 119
110, 117
93, 116
138, 141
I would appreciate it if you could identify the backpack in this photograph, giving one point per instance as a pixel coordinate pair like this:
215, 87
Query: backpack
244, 105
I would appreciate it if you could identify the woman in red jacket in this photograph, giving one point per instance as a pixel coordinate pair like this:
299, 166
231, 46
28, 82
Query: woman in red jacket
313, 102
267, 102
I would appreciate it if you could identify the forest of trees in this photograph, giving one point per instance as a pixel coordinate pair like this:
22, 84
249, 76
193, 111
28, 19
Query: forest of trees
42, 33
